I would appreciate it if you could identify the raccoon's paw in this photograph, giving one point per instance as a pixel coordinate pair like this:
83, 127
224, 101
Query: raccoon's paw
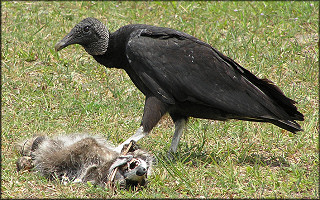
133, 147
26, 147
24, 163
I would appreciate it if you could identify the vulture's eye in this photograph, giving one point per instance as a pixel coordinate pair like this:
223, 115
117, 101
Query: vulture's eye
86, 28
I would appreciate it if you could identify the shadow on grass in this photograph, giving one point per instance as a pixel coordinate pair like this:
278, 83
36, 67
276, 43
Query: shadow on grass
273, 161
195, 156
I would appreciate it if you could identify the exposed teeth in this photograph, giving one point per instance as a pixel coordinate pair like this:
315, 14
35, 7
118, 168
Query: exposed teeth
136, 163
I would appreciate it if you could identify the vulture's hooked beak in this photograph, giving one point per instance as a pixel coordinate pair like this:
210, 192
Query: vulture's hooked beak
66, 41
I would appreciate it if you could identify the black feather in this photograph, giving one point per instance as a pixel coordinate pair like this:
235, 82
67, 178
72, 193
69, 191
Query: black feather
188, 78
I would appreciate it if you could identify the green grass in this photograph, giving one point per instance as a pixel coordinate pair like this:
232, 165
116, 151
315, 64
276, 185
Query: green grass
51, 93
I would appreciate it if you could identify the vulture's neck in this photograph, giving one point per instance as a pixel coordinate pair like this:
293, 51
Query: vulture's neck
115, 55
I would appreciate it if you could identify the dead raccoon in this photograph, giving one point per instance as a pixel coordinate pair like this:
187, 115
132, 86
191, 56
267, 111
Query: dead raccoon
83, 158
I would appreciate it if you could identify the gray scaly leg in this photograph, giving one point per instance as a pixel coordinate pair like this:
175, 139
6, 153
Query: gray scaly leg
179, 126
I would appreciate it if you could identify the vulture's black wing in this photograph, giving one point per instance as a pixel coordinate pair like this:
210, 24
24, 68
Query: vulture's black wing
177, 67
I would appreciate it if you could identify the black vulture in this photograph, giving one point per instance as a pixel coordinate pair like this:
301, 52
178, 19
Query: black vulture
183, 76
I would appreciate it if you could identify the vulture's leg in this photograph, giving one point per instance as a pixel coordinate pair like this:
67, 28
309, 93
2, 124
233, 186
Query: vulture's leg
179, 126
153, 111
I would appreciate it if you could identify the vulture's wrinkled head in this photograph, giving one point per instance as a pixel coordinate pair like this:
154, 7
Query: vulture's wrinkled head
90, 33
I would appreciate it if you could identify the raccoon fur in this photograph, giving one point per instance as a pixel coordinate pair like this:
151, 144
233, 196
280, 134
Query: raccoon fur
84, 158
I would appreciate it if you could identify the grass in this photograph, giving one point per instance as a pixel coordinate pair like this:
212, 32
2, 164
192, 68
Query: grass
48, 92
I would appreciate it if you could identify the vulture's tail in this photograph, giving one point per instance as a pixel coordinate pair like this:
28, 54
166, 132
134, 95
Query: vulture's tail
291, 126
